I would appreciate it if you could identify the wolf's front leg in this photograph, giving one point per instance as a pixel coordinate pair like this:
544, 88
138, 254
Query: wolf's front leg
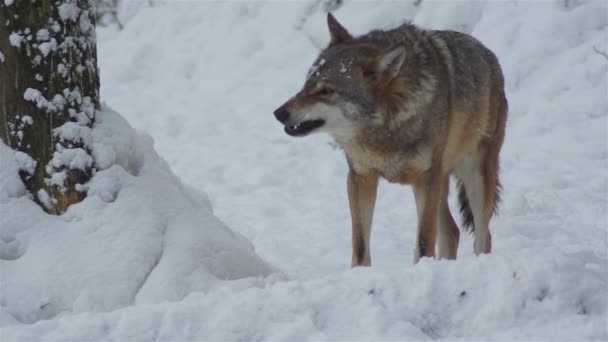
427, 192
362, 190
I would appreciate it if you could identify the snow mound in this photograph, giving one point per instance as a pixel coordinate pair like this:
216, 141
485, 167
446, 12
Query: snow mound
140, 236
490, 298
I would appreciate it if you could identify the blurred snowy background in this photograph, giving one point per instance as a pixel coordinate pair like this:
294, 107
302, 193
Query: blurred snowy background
207, 222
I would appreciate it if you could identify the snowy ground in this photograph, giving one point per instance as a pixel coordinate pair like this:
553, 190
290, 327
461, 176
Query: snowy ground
143, 258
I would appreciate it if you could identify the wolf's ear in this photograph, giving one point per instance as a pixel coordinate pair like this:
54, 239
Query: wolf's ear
337, 31
390, 62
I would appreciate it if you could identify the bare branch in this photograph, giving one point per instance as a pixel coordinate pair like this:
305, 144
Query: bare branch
601, 53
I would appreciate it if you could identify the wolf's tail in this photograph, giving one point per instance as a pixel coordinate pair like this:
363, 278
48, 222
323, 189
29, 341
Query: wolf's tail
468, 223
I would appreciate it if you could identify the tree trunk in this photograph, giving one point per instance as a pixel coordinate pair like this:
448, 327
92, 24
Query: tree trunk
49, 92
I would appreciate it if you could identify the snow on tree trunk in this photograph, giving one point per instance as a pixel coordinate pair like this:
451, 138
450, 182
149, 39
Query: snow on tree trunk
49, 92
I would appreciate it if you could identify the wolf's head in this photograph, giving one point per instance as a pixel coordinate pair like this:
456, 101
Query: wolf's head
342, 87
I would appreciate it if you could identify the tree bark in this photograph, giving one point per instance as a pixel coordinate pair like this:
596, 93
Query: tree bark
49, 92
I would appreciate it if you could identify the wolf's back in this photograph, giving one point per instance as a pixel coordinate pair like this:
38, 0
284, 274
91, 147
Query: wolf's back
466, 64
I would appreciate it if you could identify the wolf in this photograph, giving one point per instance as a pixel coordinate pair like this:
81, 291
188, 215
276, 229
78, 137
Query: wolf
411, 106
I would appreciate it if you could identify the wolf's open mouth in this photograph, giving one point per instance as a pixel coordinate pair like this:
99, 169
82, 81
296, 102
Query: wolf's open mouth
303, 128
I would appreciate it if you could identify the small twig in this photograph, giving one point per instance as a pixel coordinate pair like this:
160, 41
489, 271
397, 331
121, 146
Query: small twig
601, 53
115, 17
114, 14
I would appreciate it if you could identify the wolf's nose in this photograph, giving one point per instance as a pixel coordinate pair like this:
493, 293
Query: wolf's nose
281, 114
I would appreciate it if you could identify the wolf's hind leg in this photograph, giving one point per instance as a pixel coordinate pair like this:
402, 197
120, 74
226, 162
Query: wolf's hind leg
447, 242
479, 181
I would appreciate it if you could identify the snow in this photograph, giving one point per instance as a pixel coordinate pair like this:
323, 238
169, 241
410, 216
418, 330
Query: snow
34, 95
43, 35
48, 202
15, 39
25, 162
58, 101
73, 158
62, 70
145, 257
46, 47
85, 22
314, 69
58, 179
73, 131
10, 183
27, 120
140, 235
69, 10
8, 2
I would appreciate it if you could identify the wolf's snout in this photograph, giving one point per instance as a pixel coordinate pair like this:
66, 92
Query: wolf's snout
281, 114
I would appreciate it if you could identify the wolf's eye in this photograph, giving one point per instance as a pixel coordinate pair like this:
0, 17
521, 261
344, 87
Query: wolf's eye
325, 91
369, 74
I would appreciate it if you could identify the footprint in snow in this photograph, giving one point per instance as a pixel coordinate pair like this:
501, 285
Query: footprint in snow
10, 248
